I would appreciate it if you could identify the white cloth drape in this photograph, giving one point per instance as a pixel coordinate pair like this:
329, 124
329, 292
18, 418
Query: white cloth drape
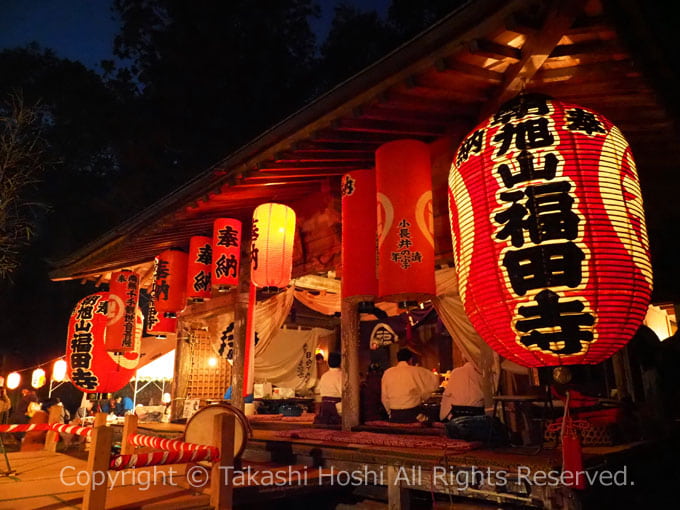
451, 311
328, 303
288, 361
270, 314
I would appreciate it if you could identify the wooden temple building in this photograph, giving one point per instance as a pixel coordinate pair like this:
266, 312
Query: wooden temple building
435, 88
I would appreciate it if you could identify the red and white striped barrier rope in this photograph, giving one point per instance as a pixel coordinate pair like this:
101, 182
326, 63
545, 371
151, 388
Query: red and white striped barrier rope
26, 427
119, 462
173, 445
72, 429
38, 427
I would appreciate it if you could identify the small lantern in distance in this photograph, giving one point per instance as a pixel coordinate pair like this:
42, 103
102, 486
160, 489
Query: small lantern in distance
169, 289
199, 269
13, 380
38, 378
272, 249
226, 253
59, 371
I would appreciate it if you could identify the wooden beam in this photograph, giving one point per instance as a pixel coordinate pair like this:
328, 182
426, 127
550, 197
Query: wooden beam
535, 51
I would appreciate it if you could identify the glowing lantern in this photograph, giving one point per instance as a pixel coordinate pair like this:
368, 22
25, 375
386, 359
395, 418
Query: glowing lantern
170, 282
38, 378
90, 367
13, 380
199, 268
359, 223
226, 249
59, 371
549, 236
123, 300
405, 222
159, 325
272, 250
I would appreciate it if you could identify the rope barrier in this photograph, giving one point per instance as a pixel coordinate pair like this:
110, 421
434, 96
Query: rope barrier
57, 427
119, 462
72, 429
173, 445
28, 427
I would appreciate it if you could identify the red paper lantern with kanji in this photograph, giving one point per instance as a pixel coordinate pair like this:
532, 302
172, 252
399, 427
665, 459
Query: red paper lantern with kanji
170, 282
90, 366
123, 301
226, 253
359, 247
549, 236
272, 250
199, 268
159, 325
405, 221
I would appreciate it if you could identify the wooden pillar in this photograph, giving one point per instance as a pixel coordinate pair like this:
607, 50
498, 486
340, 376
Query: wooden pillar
129, 427
100, 419
221, 488
51, 438
349, 339
182, 371
398, 497
94, 497
240, 318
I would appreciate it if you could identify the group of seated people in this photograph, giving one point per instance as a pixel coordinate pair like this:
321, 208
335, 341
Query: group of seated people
399, 393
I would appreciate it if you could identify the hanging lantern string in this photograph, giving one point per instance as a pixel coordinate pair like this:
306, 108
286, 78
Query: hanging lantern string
39, 365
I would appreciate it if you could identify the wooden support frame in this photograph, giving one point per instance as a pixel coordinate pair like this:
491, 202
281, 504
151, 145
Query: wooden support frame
221, 488
94, 497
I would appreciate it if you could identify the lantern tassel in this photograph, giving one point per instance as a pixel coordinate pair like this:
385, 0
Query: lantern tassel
572, 456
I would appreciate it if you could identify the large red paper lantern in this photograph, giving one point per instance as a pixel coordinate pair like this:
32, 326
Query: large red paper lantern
359, 246
226, 253
90, 366
272, 249
199, 268
549, 236
170, 281
123, 301
405, 222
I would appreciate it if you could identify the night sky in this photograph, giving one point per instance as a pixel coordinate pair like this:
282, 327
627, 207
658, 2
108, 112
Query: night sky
83, 30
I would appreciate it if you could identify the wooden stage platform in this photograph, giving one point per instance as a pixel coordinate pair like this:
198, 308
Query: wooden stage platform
44, 480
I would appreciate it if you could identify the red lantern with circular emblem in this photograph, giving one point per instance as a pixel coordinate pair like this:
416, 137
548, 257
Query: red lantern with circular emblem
90, 366
549, 235
226, 253
359, 224
122, 306
199, 268
272, 250
405, 221
170, 282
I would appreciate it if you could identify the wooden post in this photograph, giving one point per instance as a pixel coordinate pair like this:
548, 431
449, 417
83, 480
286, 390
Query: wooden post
100, 419
129, 427
98, 459
349, 341
240, 317
398, 497
51, 438
221, 488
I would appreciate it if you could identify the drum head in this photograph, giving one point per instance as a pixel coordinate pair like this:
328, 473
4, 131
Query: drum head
199, 428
